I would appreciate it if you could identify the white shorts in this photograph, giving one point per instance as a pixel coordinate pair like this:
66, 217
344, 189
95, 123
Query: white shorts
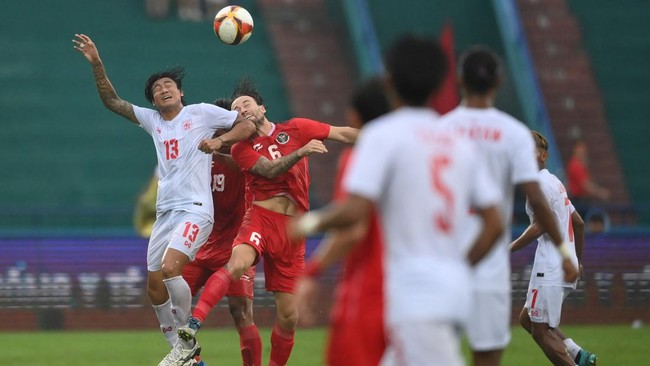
544, 303
423, 343
488, 328
181, 230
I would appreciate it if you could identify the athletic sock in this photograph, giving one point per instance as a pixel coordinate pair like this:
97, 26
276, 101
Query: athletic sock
181, 298
281, 346
213, 291
167, 322
573, 348
250, 345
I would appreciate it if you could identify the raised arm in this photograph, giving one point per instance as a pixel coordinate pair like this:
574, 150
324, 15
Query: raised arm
346, 135
242, 129
276, 167
84, 45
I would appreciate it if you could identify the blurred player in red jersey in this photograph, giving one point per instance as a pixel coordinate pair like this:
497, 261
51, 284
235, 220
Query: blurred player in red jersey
228, 193
357, 334
277, 177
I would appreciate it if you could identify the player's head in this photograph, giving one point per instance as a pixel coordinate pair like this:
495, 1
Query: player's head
248, 101
479, 71
416, 67
368, 101
165, 87
541, 148
224, 103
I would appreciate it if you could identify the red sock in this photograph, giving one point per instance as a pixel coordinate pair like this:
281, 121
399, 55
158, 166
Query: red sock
281, 346
215, 289
250, 344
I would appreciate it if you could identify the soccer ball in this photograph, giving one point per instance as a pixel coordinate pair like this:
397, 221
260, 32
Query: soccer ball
233, 25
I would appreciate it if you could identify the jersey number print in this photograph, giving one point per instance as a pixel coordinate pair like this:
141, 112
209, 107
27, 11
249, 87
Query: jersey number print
218, 183
171, 149
442, 219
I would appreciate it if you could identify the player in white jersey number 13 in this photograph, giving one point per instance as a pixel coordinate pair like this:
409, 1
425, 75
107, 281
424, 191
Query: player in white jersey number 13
181, 134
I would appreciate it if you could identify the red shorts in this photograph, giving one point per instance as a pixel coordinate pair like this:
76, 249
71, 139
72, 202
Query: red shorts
284, 260
197, 272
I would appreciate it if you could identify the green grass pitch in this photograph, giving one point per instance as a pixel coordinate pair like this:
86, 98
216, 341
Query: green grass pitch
615, 345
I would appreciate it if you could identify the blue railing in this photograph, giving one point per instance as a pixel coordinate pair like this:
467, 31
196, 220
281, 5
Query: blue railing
525, 79
364, 38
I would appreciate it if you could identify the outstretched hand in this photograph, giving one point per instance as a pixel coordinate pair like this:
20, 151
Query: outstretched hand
84, 45
313, 147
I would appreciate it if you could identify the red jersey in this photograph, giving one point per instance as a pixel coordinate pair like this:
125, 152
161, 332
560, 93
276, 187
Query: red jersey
283, 139
228, 194
358, 312
578, 176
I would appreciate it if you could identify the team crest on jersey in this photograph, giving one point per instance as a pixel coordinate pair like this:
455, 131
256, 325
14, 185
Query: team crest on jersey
187, 125
282, 138
158, 129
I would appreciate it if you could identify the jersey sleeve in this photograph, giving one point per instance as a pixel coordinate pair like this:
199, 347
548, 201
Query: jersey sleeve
217, 117
145, 117
244, 155
523, 157
368, 168
312, 130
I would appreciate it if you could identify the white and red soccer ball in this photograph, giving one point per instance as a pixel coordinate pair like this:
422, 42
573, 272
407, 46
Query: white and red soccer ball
233, 25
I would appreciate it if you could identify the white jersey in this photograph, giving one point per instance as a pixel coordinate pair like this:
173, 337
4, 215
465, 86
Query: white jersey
547, 268
184, 170
423, 179
509, 149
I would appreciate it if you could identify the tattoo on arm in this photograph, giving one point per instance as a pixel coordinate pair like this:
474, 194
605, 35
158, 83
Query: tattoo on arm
276, 167
109, 96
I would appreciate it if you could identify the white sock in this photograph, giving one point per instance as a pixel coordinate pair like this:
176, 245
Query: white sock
181, 299
572, 347
167, 321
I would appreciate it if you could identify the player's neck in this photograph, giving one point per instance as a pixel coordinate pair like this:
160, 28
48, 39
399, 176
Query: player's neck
478, 101
169, 114
266, 128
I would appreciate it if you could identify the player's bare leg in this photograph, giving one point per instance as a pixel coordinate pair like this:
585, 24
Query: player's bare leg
551, 344
286, 319
487, 358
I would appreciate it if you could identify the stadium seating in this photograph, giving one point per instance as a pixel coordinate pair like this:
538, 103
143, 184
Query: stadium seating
67, 161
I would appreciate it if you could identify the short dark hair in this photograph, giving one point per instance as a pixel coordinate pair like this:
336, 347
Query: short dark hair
540, 140
480, 69
245, 87
369, 99
225, 103
417, 67
176, 73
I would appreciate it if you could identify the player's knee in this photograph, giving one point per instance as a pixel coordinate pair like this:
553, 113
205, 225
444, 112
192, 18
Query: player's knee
288, 319
240, 261
170, 270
